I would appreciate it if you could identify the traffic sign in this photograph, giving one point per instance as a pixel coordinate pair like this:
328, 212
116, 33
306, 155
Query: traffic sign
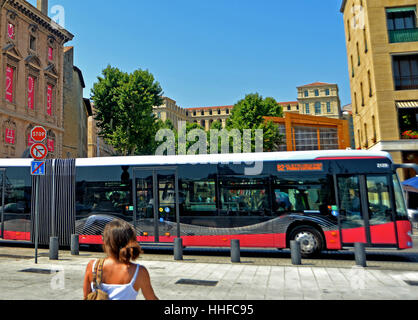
38, 151
38, 168
38, 134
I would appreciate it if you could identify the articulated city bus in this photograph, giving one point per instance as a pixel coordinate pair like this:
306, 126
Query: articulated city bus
327, 200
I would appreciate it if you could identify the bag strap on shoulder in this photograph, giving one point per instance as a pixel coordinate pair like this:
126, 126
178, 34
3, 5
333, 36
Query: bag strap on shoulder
97, 273
100, 271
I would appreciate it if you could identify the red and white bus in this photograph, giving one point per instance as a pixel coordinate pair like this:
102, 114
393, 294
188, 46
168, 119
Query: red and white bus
327, 200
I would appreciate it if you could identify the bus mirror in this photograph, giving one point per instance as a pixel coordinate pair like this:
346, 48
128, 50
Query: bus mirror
406, 166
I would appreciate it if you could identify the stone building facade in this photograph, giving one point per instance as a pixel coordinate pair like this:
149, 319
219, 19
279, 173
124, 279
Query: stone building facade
382, 46
205, 116
319, 99
309, 97
77, 109
31, 77
169, 110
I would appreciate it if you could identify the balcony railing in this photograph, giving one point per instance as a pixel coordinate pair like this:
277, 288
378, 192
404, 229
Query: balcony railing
403, 35
406, 83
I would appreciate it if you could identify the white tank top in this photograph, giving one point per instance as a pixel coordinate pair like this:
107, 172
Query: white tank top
119, 291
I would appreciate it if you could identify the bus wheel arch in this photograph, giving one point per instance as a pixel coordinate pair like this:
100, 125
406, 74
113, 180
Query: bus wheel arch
309, 234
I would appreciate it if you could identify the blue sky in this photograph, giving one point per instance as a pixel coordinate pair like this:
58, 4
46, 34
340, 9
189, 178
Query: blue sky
211, 53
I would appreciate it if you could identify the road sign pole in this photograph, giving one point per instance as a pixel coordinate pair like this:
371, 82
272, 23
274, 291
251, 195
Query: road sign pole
36, 218
53, 200
38, 152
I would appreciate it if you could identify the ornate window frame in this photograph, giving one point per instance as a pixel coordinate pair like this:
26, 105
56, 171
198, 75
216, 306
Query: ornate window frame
10, 149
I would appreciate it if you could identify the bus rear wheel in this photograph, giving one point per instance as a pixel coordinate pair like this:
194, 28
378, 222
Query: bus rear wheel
310, 239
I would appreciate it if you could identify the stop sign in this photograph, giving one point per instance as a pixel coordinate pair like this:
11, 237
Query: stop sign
38, 134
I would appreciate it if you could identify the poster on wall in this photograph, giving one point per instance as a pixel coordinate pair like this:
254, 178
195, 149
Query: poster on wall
9, 83
49, 100
10, 136
31, 92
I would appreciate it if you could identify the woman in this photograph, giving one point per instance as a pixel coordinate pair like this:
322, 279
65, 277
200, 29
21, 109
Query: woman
121, 279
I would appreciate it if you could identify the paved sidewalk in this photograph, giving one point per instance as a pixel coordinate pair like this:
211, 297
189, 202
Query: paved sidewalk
230, 281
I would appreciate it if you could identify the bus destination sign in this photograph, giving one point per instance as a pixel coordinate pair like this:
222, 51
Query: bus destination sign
292, 167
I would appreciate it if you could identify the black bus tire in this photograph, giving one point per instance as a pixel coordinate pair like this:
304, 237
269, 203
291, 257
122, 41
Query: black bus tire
310, 239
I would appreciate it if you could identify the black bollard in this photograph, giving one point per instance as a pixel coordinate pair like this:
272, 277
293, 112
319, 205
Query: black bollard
295, 252
75, 245
360, 254
53, 248
178, 249
235, 251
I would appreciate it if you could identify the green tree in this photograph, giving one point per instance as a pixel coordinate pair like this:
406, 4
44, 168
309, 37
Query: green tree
249, 113
124, 103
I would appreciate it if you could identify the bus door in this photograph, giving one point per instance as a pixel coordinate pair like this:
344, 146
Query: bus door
2, 195
156, 204
366, 212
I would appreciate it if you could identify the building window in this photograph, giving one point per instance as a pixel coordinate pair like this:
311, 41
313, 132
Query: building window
210, 112
306, 138
369, 77
401, 24
202, 112
10, 136
31, 92
374, 129
11, 31
317, 107
49, 100
348, 30
306, 93
328, 107
227, 111
352, 66
10, 73
366, 142
219, 111
32, 43
50, 144
50, 54
328, 139
358, 54
194, 113
316, 93
30, 142
355, 103
405, 69
362, 94
327, 92
365, 41
288, 108
307, 111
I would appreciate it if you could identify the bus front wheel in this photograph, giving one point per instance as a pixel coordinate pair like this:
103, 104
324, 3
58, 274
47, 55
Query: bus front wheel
310, 239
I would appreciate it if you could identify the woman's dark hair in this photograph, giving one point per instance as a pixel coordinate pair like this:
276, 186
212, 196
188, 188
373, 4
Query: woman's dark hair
120, 241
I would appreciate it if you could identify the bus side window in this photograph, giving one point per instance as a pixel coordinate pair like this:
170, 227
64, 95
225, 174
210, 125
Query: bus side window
281, 201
